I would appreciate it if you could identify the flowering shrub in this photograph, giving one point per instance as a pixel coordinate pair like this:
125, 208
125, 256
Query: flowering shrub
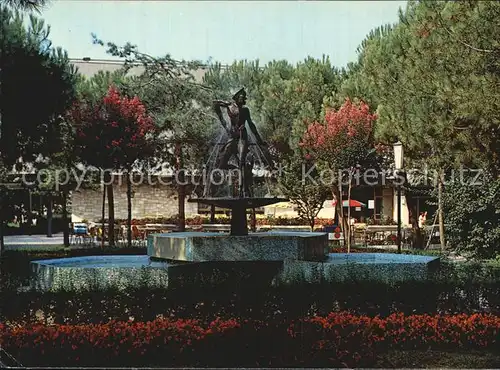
354, 250
221, 219
351, 338
343, 137
111, 341
114, 132
338, 339
190, 221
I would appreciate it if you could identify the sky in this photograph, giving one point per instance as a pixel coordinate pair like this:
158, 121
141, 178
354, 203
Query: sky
222, 31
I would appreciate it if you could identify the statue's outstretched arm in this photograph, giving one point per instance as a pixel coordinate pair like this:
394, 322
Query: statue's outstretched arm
218, 104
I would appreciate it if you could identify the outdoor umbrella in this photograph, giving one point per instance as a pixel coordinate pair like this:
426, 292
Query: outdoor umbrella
283, 205
351, 203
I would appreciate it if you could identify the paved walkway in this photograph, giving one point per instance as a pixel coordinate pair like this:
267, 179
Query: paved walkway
33, 239
19, 242
42, 242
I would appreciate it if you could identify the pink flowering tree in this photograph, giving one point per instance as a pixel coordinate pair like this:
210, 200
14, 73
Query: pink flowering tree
114, 133
343, 144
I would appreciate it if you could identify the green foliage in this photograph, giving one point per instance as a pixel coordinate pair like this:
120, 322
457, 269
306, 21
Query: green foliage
301, 184
95, 88
467, 274
356, 83
432, 76
37, 86
294, 95
26, 5
473, 217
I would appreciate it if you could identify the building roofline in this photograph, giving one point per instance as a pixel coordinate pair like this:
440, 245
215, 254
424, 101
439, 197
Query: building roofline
121, 61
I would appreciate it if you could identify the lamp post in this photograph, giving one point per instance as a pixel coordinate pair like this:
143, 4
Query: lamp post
398, 164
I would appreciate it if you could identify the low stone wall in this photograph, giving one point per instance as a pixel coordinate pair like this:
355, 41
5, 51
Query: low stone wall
148, 201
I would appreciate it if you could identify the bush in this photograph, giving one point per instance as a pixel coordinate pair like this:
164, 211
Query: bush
453, 291
472, 216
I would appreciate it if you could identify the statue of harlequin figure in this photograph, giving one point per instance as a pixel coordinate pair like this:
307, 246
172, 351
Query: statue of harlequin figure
238, 143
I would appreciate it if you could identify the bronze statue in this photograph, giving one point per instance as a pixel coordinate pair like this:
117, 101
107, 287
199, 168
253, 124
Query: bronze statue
238, 143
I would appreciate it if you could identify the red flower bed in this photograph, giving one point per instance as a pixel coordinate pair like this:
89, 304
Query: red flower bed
339, 339
353, 250
354, 339
190, 221
199, 220
110, 342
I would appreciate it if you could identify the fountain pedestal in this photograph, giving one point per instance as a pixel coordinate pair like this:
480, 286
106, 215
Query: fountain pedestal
239, 245
264, 246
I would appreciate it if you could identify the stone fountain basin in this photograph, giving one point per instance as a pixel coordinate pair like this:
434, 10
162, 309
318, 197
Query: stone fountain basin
378, 258
98, 272
261, 246
339, 267
125, 272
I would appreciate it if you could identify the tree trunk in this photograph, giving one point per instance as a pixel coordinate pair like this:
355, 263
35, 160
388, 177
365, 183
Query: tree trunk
129, 210
343, 219
65, 220
253, 221
111, 210
212, 214
336, 199
49, 215
2, 241
337, 195
440, 212
182, 211
418, 238
312, 222
349, 214
30, 213
181, 190
40, 207
103, 214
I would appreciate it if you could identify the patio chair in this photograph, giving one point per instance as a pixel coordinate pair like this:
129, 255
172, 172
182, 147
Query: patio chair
72, 236
138, 235
121, 235
92, 235
80, 233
